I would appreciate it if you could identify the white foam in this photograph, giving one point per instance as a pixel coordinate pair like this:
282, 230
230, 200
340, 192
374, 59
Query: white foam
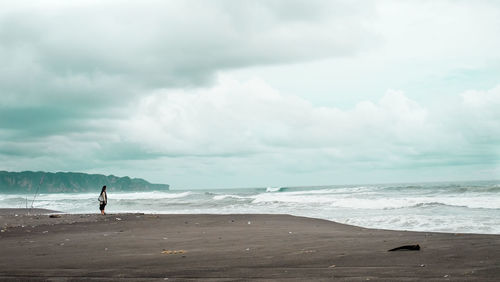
223, 197
116, 195
419, 208
368, 201
434, 223
150, 195
273, 189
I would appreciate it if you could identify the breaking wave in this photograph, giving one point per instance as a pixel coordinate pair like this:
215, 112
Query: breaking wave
448, 207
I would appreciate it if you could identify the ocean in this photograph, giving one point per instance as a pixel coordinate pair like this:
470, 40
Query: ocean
465, 207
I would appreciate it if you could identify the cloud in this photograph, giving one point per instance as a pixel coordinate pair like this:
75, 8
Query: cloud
482, 99
238, 126
91, 52
480, 119
90, 86
67, 64
236, 118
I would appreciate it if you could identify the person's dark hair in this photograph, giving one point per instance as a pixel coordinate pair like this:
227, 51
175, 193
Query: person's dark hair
103, 188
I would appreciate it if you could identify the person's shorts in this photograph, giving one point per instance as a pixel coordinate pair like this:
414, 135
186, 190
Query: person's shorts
101, 206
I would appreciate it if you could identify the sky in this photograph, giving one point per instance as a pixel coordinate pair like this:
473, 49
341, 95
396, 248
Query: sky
222, 94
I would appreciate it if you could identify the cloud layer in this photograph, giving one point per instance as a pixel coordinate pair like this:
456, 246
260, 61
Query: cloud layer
251, 117
150, 90
98, 54
255, 127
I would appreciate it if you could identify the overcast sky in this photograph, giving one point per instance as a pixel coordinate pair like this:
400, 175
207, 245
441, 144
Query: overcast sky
217, 94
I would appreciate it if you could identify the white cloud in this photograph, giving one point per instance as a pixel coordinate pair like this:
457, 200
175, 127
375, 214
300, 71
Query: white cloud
479, 118
235, 117
246, 130
482, 99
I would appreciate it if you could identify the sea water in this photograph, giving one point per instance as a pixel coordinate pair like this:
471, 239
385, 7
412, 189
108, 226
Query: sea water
468, 207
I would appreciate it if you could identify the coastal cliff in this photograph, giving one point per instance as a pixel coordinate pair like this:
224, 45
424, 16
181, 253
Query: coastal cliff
64, 182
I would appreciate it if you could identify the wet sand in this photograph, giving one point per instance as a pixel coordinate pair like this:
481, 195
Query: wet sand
138, 247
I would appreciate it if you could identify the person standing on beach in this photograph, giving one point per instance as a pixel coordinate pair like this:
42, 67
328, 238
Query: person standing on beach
103, 199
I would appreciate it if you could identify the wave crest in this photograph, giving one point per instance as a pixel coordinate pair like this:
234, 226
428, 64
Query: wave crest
275, 189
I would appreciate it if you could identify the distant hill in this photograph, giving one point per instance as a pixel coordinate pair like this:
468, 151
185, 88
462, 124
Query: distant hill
28, 181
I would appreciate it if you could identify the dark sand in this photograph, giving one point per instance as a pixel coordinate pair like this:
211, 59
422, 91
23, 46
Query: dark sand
232, 248
25, 212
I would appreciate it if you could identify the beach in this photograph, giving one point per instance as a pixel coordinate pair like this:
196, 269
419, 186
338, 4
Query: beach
206, 247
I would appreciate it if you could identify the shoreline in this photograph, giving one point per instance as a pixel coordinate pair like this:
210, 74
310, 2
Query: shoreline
25, 211
233, 247
79, 217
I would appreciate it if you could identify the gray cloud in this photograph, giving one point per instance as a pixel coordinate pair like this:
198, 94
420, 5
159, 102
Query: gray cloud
69, 64
168, 43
